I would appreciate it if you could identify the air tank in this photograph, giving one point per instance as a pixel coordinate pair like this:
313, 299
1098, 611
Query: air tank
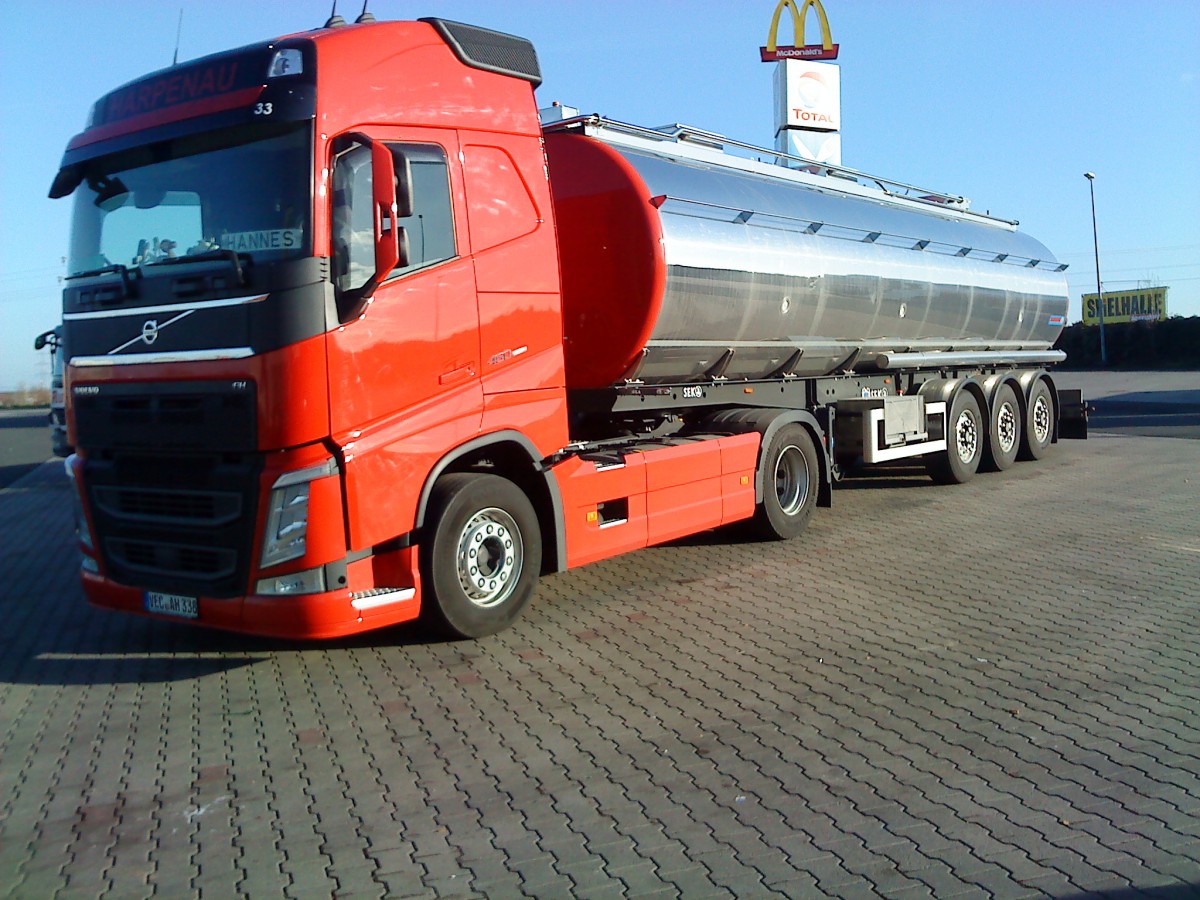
683, 263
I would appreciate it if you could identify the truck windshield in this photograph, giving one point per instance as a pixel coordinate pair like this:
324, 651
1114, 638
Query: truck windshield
244, 189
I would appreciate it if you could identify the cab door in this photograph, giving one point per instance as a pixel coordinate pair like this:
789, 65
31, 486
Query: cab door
404, 358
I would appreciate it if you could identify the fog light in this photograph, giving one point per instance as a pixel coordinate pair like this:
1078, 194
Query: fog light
310, 581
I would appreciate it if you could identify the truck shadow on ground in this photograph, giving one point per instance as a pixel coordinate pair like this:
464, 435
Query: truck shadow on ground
10, 474
862, 477
96, 647
34, 418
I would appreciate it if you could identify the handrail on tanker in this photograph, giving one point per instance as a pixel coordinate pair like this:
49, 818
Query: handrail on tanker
701, 137
864, 235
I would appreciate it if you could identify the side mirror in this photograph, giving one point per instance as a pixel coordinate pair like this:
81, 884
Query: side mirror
383, 186
403, 176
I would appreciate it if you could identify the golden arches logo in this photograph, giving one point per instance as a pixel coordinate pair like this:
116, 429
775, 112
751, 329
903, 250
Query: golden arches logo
827, 49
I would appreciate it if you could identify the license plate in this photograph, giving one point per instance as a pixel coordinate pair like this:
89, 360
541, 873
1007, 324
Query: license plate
172, 605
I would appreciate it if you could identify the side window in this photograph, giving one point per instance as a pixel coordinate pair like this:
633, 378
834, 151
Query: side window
428, 232
430, 228
353, 221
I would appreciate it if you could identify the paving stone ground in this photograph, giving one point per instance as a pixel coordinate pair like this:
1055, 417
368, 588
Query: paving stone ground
971, 691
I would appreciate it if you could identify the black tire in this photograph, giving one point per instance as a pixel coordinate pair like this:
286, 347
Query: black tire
958, 463
1004, 430
481, 559
791, 479
1039, 422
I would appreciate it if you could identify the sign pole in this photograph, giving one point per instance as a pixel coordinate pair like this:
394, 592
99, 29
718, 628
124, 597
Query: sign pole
807, 93
1091, 177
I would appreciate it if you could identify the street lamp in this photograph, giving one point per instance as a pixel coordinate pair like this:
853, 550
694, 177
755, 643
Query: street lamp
1091, 177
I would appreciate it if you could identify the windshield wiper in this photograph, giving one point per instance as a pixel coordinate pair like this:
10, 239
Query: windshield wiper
231, 255
111, 269
102, 270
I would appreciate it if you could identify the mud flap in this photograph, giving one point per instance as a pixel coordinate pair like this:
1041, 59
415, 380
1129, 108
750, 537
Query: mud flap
1072, 415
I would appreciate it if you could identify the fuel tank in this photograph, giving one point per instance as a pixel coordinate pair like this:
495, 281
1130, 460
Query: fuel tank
681, 262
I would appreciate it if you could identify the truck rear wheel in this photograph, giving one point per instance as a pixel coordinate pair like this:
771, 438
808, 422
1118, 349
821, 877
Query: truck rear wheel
481, 560
1039, 422
790, 482
958, 463
1004, 435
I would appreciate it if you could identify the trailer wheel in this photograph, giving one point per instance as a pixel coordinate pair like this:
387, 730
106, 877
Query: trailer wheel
964, 438
790, 482
1004, 435
481, 560
1039, 422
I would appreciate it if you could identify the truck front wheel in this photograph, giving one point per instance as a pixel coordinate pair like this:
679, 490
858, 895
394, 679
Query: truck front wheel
790, 482
481, 559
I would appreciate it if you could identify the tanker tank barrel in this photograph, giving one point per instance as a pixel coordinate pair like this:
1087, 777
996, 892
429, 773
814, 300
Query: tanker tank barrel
738, 268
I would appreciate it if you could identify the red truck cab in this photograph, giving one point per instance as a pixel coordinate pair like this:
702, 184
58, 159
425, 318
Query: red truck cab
306, 279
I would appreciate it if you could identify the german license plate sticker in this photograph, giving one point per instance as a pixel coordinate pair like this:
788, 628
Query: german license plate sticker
172, 605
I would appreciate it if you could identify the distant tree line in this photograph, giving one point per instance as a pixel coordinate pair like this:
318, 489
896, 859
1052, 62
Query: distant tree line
25, 397
1170, 344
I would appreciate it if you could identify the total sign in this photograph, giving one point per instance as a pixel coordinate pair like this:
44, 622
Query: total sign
808, 95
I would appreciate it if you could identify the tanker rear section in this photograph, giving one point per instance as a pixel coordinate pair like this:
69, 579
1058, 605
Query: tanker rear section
838, 320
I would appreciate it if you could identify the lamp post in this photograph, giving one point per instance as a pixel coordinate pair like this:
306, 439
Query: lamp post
1091, 177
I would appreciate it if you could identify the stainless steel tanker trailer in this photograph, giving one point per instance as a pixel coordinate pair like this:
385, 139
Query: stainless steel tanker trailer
704, 291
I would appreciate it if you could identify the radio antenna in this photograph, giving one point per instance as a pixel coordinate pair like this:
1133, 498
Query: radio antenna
364, 17
178, 32
335, 20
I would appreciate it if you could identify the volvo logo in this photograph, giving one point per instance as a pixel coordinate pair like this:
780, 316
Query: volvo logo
149, 332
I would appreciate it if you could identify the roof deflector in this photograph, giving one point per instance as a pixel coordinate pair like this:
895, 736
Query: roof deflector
491, 51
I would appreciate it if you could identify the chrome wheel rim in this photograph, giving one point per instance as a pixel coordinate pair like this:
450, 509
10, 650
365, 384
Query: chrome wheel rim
966, 436
490, 557
1006, 427
1041, 419
791, 480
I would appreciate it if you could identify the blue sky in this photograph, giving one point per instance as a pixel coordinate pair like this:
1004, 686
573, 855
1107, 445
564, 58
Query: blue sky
1007, 103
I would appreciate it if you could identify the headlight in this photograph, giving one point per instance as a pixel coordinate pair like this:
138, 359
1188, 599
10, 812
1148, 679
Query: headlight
287, 514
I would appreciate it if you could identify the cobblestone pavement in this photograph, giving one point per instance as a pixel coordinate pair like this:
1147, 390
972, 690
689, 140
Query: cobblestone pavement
982, 690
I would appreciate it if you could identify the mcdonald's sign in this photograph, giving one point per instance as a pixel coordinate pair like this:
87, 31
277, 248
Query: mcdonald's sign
827, 49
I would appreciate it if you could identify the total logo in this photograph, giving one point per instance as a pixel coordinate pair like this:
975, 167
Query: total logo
814, 103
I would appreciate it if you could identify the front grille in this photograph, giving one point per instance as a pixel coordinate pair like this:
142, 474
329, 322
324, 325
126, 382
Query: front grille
173, 560
188, 416
177, 523
169, 506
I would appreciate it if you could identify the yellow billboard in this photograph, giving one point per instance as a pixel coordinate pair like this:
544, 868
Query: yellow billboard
1138, 305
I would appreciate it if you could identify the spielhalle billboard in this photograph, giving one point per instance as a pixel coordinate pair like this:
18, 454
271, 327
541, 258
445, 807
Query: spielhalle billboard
1138, 305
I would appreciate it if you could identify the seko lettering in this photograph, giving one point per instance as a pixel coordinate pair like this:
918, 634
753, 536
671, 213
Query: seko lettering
169, 90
